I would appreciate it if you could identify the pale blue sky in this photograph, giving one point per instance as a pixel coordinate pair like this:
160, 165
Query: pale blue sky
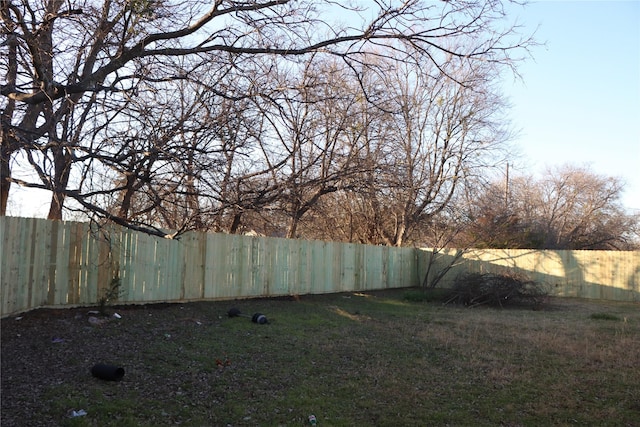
579, 98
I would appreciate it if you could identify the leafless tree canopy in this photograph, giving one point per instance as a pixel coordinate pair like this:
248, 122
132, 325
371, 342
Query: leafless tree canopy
349, 120
569, 207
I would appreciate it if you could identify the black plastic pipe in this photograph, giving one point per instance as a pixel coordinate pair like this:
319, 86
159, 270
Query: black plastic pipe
107, 372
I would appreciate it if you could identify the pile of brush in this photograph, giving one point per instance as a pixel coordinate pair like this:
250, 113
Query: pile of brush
473, 289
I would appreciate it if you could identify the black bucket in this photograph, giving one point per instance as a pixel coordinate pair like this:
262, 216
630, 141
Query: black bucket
259, 318
107, 372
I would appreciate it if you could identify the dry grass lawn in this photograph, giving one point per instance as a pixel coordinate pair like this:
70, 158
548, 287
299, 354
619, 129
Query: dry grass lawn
353, 359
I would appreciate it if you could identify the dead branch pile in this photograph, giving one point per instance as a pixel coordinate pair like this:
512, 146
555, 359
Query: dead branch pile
473, 289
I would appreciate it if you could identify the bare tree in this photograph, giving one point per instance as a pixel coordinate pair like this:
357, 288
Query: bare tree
580, 210
65, 60
569, 207
308, 127
436, 135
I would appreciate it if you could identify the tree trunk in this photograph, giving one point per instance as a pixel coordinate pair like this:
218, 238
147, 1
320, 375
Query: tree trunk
62, 161
5, 176
5, 118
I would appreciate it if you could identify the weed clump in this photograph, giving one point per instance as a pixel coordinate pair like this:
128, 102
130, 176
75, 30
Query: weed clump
498, 290
604, 316
425, 295
112, 293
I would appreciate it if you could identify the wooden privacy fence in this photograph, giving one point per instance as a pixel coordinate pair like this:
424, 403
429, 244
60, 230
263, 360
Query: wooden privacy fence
610, 275
51, 264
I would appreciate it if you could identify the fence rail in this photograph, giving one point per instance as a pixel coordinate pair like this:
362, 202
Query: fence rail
51, 264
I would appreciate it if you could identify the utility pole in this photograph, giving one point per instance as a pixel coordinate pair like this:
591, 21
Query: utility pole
506, 188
